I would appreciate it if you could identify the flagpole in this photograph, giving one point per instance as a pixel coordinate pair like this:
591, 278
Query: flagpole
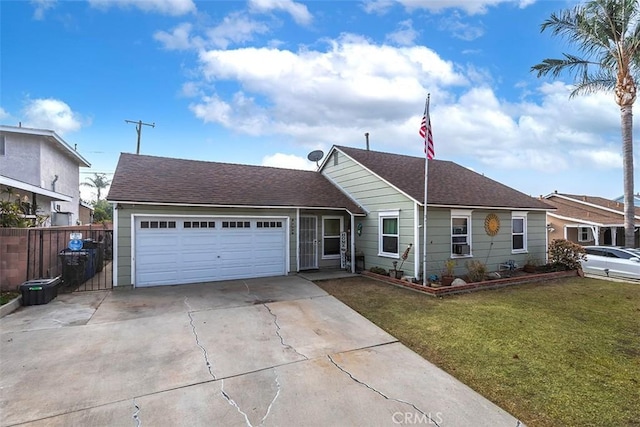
426, 174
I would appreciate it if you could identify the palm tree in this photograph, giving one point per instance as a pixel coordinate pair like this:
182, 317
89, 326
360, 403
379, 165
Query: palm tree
607, 35
99, 182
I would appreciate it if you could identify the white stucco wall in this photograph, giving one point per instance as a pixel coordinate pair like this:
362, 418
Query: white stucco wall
22, 158
36, 160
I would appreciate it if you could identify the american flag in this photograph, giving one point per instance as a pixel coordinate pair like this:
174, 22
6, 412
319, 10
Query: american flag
427, 136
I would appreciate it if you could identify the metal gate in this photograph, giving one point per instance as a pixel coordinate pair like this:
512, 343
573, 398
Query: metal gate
308, 243
89, 269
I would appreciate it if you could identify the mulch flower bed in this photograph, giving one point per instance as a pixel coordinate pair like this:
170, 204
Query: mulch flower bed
517, 278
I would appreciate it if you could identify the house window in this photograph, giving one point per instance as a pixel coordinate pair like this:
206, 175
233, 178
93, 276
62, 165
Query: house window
460, 233
331, 227
518, 231
585, 234
2, 145
389, 235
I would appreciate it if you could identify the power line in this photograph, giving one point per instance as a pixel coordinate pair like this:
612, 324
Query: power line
139, 124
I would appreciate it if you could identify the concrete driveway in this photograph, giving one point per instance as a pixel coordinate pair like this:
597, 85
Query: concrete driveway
274, 352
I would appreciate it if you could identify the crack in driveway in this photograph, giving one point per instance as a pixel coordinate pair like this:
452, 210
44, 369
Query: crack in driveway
275, 322
431, 420
195, 333
136, 414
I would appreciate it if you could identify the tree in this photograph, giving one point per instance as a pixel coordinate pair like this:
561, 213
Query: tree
607, 35
99, 182
102, 211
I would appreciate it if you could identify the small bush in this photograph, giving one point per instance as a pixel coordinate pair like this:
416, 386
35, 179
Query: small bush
378, 270
566, 254
476, 271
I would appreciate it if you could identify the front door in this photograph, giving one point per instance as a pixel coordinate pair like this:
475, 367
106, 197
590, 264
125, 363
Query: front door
308, 242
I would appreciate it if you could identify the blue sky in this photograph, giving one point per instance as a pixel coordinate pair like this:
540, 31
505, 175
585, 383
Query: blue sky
267, 81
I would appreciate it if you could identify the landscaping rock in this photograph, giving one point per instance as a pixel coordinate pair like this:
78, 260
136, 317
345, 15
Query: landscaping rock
494, 275
458, 282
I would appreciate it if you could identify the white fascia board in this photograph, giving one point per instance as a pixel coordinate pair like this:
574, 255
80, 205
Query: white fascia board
593, 205
204, 205
49, 133
13, 183
577, 221
495, 208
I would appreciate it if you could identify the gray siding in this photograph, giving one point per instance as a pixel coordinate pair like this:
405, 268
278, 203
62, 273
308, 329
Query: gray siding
490, 250
125, 240
374, 195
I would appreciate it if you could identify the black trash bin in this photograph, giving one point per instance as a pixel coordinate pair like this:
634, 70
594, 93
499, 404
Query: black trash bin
98, 254
40, 291
75, 266
91, 246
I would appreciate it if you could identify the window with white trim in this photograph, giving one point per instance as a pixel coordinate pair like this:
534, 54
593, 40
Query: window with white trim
388, 233
460, 233
585, 234
518, 232
331, 227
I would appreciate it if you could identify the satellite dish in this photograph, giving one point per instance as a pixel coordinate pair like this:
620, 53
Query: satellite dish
315, 156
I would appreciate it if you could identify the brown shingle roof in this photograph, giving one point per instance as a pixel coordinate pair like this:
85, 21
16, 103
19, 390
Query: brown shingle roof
150, 179
449, 183
577, 207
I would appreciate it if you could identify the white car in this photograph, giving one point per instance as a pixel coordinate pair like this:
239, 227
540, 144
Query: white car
611, 261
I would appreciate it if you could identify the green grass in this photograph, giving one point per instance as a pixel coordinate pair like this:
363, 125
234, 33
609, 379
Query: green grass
6, 297
565, 352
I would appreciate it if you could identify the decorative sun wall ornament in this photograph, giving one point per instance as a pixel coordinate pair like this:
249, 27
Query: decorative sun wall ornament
492, 224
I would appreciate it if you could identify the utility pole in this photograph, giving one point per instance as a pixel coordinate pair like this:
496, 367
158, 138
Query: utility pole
139, 124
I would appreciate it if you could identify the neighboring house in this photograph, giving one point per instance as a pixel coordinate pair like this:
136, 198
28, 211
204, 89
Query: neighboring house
588, 220
85, 213
636, 199
40, 165
185, 221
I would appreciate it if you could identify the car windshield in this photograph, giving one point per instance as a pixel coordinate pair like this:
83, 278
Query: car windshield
635, 252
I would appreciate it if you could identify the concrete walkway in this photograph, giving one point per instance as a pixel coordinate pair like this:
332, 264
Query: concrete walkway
273, 352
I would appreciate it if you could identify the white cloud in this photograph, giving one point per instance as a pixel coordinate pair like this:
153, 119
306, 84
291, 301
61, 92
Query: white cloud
41, 7
51, 114
235, 28
4, 115
317, 98
298, 11
288, 161
460, 29
471, 7
405, 35
164, 7
179, 38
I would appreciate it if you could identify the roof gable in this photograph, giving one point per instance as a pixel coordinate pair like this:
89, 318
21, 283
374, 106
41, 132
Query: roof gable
161, 180
449, 184
51, 137
589, 208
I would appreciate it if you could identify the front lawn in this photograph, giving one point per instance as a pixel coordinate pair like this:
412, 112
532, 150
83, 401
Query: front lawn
565, 352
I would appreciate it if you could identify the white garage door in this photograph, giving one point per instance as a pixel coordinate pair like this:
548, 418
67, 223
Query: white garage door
171, 251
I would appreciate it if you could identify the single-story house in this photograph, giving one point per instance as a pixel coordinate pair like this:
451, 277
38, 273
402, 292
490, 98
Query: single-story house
588, 220
184, 221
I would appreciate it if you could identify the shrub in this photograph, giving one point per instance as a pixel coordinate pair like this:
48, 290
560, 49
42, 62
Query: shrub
378, 270
476, 270
566, 254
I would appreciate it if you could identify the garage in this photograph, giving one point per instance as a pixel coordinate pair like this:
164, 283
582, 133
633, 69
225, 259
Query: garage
180, 250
